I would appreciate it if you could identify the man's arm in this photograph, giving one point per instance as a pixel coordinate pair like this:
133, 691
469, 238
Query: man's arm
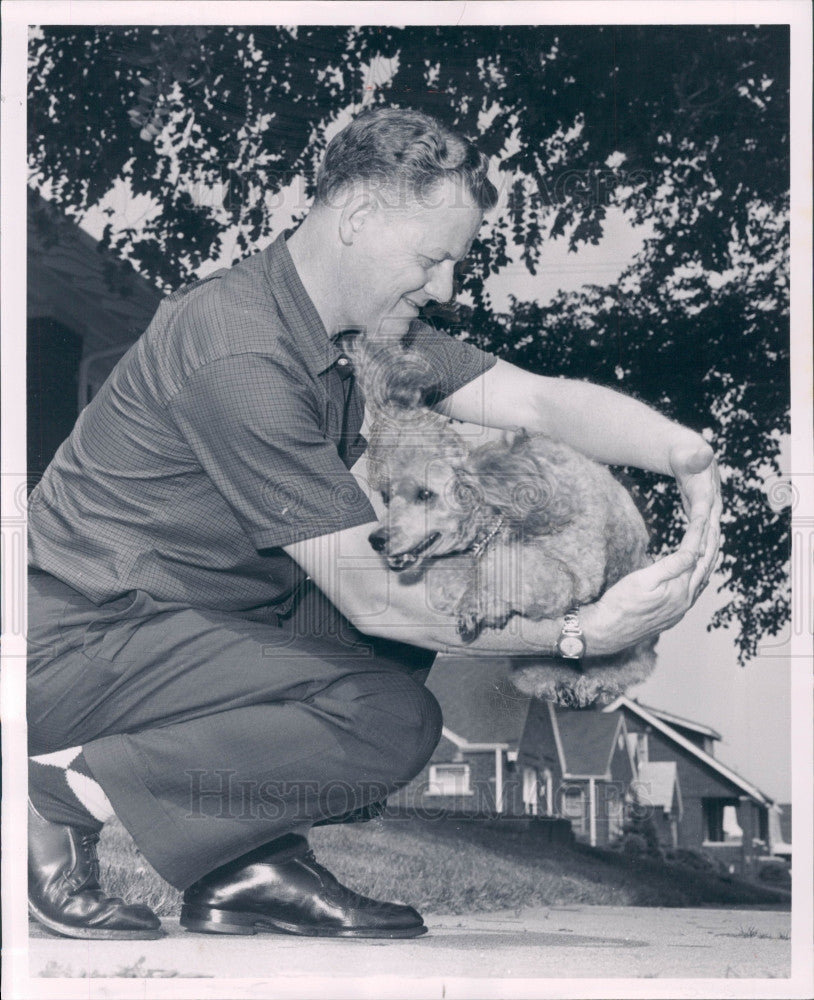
378, 603
601, 423
355, 579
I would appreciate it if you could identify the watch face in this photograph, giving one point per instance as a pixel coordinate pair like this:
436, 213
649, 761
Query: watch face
571, 645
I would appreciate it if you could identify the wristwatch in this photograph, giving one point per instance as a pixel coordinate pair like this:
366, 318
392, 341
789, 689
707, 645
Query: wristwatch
571, 643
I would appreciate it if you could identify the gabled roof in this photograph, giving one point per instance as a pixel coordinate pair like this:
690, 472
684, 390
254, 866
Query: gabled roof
478, 701
658, 785
676, 720
623, 702
70, 276
585, 741
466, 745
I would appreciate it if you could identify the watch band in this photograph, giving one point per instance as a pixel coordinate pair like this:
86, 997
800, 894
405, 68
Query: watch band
571, 622
571, 643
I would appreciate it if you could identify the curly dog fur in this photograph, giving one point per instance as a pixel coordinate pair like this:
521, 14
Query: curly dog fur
521, 526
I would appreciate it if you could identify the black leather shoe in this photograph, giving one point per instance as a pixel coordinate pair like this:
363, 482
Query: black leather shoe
290, 894
63, 887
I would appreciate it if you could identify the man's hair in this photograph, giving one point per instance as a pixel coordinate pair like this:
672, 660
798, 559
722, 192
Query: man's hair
402, 153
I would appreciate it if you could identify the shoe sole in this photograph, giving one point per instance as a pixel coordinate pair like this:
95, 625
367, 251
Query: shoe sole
208, 920
93, 933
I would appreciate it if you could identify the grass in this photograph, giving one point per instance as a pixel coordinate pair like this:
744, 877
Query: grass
464, 869
753, 932
136, 970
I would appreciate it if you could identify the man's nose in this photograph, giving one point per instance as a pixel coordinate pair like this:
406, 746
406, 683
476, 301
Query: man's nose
441, 283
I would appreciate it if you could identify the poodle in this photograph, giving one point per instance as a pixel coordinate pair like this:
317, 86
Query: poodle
523, 525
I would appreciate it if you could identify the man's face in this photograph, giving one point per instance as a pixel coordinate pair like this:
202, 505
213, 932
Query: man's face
401, 259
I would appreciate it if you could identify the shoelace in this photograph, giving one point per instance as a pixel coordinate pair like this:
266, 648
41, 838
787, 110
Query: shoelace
88, 843
341, 892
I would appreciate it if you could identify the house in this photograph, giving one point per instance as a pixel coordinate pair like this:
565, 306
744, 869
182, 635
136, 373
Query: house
711, 808
84, 308
595, 771
505, 754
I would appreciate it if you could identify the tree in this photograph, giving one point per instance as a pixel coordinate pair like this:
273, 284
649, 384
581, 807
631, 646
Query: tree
683, 128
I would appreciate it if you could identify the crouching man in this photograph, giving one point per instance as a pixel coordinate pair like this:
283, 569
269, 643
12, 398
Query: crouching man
216, 655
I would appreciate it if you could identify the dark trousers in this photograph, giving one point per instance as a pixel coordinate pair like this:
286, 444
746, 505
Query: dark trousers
213, 733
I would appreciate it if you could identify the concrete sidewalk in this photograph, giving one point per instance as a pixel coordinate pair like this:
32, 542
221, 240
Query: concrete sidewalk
550, 943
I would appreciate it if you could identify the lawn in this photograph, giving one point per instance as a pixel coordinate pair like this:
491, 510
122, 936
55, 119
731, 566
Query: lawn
468, 867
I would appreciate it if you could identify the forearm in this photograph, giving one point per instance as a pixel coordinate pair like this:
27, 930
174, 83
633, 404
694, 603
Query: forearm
521, 636
608, 426
403, 613
379, 604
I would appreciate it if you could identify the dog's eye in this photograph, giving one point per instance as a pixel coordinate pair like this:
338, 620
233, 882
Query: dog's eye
424, 496
385, 497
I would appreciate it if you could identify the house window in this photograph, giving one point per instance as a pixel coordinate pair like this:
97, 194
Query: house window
721, 821
731, 827
643, 749
548, 777
531, 791
573, 808
639, 746
615, 811
449, 779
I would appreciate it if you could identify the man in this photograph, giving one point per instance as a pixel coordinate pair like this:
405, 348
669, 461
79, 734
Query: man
217, 656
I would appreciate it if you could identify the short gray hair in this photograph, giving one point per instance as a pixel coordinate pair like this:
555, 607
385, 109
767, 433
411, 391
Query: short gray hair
403, 151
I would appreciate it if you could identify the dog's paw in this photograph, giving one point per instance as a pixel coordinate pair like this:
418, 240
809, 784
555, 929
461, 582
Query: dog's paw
469, 626
498, 620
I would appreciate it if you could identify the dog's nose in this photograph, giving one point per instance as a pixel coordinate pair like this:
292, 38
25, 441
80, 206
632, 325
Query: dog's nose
378, 540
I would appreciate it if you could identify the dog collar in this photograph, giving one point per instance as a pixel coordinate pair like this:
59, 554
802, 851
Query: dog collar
479, 547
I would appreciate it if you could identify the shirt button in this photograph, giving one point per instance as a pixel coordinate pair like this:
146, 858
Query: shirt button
343, 361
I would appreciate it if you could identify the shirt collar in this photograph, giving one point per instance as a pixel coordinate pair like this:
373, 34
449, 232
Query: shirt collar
319, 351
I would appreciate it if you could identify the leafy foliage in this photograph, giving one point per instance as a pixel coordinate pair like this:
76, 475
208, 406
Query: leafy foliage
684, 128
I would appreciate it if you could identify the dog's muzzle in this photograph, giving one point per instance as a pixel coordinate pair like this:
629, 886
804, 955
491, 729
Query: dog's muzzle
401, 560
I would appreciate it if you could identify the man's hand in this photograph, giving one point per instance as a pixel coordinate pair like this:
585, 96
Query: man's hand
651, 600
646, 603
696, 473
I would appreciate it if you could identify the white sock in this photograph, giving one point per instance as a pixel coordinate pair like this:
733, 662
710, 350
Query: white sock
85, 788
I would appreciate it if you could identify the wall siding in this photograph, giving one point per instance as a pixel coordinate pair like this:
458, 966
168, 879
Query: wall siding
698, 781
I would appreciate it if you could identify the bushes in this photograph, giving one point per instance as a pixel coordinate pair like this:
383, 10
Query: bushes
639, 837
776, 873
696, 860
633, 843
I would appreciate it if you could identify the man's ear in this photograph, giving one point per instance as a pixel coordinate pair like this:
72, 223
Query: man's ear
355, 213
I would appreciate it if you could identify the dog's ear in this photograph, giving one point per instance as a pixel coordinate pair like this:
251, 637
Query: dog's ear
529, 493
391, 376
467, 493
411, 385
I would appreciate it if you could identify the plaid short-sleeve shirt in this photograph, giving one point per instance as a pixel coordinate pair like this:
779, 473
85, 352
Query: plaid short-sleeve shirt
223, 434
